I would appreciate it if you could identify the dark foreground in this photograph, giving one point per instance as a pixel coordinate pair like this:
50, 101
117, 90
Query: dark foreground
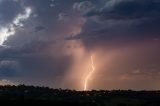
43, 95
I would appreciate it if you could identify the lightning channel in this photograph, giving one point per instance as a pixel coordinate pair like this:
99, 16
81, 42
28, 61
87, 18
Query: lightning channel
89, 74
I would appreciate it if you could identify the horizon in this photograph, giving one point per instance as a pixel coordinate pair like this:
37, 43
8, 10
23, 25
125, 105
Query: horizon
92, 90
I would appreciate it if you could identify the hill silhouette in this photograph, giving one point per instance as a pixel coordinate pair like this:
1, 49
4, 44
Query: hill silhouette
22, 94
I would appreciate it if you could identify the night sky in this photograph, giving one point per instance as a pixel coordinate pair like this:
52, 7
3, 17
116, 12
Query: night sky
49, 43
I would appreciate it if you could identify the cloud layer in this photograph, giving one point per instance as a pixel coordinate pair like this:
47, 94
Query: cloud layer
52, 41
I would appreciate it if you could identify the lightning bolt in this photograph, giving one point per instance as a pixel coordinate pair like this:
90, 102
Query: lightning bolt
89, 74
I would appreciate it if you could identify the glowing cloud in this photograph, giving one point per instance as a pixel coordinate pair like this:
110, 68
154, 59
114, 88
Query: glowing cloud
5, 32
21, 17
89, 74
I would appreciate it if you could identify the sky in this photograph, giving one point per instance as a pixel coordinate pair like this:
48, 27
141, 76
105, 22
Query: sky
50, 42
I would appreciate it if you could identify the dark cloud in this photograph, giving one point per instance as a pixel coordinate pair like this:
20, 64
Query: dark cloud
127, 9
38, 46
8, 68
46, 18
9, 9
40, 61
83, 7
39, 28
62, 17
123, 19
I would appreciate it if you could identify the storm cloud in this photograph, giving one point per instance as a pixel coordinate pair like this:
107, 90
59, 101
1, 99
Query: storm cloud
54, 44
